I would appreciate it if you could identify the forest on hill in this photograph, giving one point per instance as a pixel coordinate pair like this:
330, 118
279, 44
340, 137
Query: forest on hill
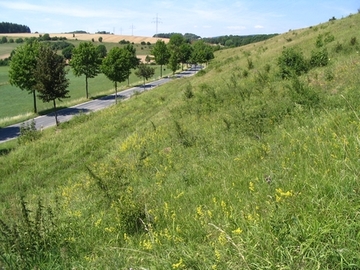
7, 27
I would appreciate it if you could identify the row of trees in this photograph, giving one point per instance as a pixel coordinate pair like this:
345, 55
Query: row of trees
180, 51
37, 68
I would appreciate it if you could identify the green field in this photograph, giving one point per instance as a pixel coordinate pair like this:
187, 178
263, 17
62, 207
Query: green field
234, 168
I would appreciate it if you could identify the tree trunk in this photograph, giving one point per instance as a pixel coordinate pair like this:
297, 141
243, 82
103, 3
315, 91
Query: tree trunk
86, 85
115, 92
55, 112
160, 71
34, 97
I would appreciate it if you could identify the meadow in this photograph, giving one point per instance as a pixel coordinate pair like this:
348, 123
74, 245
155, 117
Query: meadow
234, 168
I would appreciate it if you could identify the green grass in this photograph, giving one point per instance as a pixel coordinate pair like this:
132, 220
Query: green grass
248, 172
7, 48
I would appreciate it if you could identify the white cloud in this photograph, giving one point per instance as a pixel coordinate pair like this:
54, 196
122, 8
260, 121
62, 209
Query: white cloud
258, 26
236, 27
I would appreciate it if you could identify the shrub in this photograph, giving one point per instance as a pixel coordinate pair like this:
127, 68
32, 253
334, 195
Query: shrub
250, 63
201, 73
303, 94
319, 41
329, 37
353, 41
188, 93
19, 40
292, 62
338, 47
319, 58
28, 132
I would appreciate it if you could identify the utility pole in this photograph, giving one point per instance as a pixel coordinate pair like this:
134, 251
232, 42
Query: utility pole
132, 29
156, 21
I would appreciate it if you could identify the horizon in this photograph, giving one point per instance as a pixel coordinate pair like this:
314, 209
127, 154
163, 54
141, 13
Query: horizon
205, 19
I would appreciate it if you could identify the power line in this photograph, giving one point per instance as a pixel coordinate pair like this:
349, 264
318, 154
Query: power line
132, 29
157, 20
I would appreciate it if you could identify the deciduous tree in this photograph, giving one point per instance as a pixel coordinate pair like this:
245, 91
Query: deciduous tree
145, 71
134, 61
102, 51
202, 53
161, 54
174, 47
50, 76
85, 61
117, 65
22, 68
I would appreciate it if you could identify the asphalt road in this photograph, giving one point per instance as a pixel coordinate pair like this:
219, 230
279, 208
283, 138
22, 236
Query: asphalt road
45, 121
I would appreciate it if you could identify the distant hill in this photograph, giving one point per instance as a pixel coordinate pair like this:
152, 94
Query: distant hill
227, 40
236, 41
7, 27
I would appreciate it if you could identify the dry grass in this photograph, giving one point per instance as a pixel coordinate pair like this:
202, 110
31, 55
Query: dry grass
89, 37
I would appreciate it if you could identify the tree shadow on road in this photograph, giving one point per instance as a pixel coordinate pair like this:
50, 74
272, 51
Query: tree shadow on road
63, 111
9, 133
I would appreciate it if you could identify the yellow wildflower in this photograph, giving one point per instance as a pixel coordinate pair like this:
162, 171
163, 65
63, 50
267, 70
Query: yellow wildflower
237, 231
251, 187
178, 265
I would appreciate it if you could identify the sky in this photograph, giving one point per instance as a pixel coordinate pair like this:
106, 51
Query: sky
209, 18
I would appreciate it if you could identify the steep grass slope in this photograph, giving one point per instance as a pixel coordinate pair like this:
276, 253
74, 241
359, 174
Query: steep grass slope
235, 168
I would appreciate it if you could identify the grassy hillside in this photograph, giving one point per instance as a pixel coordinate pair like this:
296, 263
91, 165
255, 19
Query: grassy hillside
235, 168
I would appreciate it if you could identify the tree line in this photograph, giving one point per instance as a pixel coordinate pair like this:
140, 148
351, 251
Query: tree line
7, 27
189, 37
237, 41
37, 67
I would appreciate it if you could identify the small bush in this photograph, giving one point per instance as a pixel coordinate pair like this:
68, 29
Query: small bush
329, 38
319, 58
245, 73
292, 62
303, 94
201, 73
319, 41
188, 93
267, 68
250, 63
28, 132
353, 41
338, 47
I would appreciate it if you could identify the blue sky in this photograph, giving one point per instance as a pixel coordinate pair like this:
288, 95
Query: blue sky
204, 18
